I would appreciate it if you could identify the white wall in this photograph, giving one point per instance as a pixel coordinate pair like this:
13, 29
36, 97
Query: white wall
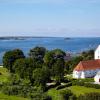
97, 53
85, 74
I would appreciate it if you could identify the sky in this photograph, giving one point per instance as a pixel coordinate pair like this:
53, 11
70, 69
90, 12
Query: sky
56, 18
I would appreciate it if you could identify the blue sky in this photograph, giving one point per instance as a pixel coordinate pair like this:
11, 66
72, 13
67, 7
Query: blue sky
50, 18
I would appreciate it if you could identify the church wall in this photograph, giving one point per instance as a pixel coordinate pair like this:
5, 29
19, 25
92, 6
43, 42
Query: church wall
85, 74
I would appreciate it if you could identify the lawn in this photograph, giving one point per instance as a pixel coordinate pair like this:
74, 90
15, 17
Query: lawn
77, 90
54, 94
4, 74
6, 97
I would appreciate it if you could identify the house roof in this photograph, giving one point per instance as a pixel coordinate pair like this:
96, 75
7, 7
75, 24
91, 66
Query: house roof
88, 65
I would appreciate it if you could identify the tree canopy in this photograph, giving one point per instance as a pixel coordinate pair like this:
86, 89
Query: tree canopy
10, 57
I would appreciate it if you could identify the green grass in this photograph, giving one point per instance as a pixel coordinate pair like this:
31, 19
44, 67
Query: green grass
4, 74
54, 94
77, 90
6, 97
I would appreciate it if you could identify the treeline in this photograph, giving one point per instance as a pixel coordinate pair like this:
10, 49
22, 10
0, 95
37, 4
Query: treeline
40, 67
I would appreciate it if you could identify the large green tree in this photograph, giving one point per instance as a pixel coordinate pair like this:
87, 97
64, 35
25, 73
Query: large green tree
10, 57
54, 59
41, 76
24, 68
51, 57
37, 54
58, 70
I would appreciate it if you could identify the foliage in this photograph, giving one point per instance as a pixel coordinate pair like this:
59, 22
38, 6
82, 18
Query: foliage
10, 57
63, 94
58, 70
24, 68
41, 77
89, 55
19, 87
78, 90
71, 64
90, 96
67, 95
37, 53
86, 84
54, 60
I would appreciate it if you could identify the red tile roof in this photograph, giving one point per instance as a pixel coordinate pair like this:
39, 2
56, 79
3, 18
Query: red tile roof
88, 65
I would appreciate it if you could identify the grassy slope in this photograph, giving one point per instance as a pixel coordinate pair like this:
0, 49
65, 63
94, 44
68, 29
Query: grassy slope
77, 90
6, 97
4, 74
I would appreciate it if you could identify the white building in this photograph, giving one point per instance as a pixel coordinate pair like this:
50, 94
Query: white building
86, 69
97, 53
97, 78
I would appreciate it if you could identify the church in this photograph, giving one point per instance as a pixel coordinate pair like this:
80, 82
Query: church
88, 69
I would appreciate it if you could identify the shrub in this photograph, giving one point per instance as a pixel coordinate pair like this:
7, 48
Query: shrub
90, 96
82, 83
67, 95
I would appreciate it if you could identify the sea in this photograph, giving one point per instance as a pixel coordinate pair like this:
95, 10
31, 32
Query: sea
70, 45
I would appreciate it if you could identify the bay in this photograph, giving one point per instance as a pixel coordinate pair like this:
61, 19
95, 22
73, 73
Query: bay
72, 45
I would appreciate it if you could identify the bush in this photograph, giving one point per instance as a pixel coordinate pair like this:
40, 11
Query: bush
90, 96
78, 82
82, 83
67, 95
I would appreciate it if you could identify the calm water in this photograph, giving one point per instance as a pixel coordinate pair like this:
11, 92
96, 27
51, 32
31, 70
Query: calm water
74, 45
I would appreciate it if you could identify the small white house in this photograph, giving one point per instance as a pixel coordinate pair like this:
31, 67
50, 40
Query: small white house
86, 69
97, 53
97, 78
90, 68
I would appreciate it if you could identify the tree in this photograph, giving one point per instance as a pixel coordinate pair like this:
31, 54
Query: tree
70, 65
58, 53
55, 61
24, 68
58, 70
20, 68
51, 57
37, 53
41, 76
10, 57
88, 55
